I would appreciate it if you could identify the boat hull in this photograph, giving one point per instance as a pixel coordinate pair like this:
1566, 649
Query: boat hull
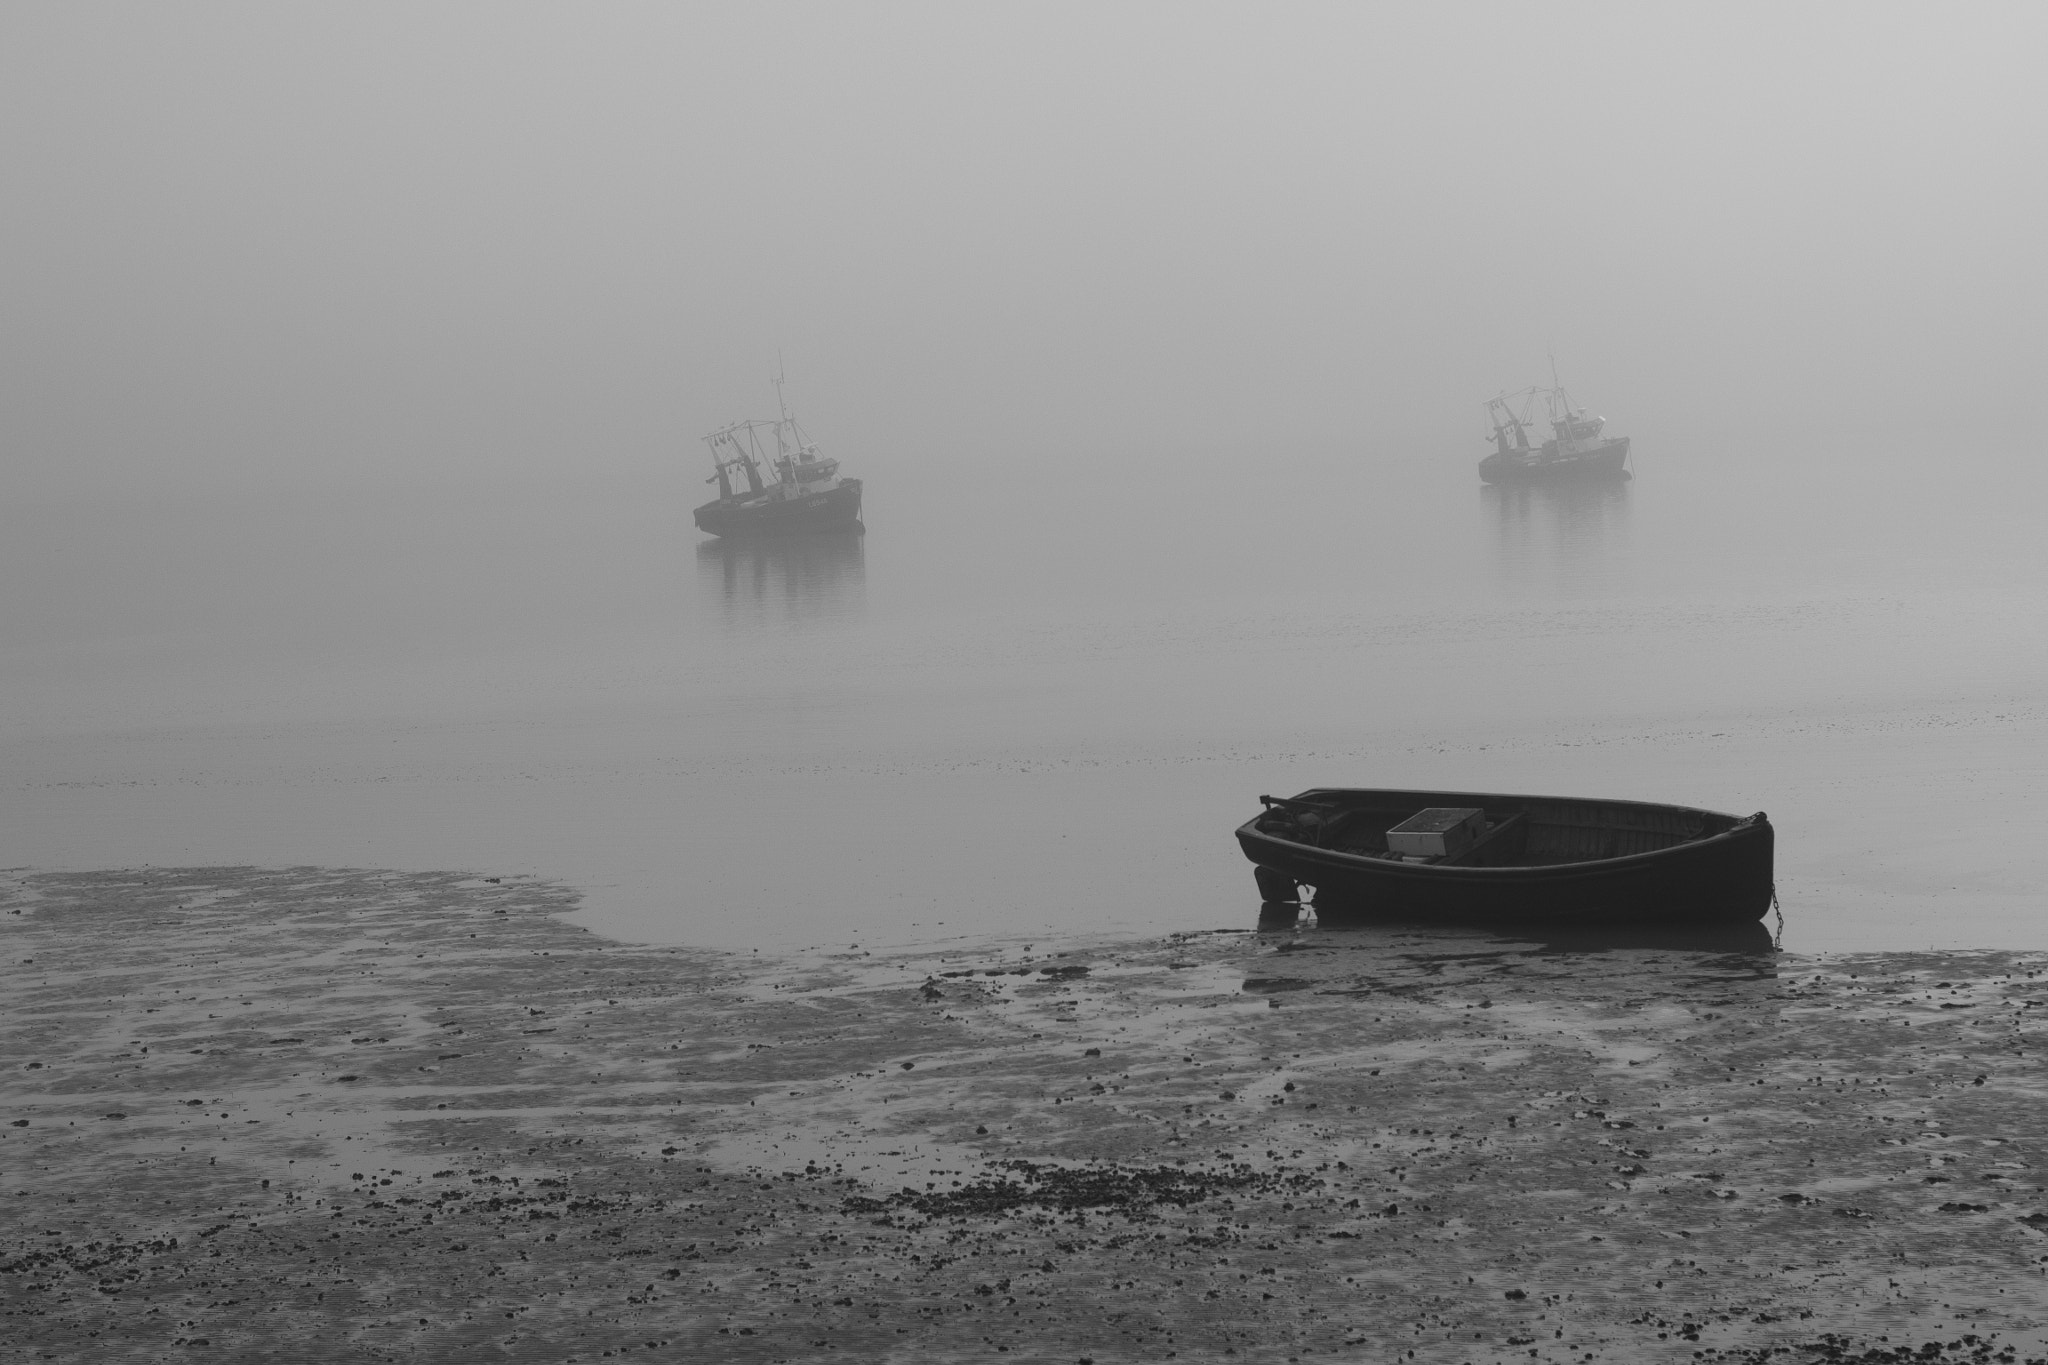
834, 509
1606, 459
1721, 876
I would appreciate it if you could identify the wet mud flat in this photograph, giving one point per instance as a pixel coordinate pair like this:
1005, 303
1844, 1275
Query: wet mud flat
316, 1114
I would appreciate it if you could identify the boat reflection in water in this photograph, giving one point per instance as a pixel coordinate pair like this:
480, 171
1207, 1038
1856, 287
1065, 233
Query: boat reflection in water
1570, 535
785, 580
1753, 939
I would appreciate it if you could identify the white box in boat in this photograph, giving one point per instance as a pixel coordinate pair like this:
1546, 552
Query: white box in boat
1438, 832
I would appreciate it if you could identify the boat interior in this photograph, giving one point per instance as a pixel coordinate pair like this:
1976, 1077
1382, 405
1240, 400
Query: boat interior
1508, 831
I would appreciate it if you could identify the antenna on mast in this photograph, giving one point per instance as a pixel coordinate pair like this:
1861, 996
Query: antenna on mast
781, 377
781, 408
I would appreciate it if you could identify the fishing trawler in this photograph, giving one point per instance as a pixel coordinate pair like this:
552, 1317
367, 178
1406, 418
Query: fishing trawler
1575, 448
793, 490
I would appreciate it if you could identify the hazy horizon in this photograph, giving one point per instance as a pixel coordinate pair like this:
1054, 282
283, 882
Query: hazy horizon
382, 243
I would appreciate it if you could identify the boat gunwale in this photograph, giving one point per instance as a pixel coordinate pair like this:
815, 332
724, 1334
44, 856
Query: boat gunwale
1741, 826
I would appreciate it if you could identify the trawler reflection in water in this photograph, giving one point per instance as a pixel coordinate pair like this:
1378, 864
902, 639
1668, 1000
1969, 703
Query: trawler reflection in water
785, 580
1576, 528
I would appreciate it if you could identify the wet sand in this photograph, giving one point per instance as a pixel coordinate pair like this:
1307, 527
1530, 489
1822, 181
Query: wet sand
320, 1114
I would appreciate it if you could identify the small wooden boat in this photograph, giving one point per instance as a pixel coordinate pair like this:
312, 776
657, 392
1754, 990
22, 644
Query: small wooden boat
1486, 857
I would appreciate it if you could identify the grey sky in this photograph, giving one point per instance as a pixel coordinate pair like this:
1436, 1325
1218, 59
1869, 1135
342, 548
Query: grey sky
244, 240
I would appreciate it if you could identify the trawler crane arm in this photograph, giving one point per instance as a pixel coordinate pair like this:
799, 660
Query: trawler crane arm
1505, 419
727, 451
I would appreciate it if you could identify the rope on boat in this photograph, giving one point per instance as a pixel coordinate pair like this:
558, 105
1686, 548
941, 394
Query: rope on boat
1778, 938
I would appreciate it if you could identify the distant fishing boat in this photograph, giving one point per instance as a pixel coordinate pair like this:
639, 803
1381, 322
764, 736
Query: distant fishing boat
1493, 858
792, 490
1575, 448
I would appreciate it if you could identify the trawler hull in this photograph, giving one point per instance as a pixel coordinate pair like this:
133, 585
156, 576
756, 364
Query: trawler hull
834, 509
1604, 459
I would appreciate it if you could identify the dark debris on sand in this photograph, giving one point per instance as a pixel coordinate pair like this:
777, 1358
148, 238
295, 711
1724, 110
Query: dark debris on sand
374, 1116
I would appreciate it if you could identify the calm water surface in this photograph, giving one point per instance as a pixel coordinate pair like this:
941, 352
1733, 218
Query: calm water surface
1039, 693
